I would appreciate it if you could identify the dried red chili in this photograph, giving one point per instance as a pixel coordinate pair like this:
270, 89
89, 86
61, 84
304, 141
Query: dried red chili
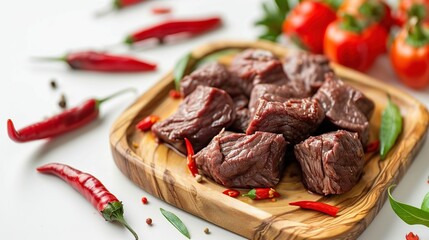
175, 94
147, 122
103, 62
412, 236
231, 192
192, 166
262, 193
66, 121
92, 189
171, 27
373, 146
317, 206
119, 4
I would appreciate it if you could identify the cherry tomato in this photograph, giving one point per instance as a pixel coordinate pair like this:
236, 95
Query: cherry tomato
377, 9
307, 24
405, 6
357, 50
377, 37
411, 63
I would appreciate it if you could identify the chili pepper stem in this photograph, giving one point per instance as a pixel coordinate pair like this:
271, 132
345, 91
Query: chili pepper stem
50, 59
114, 211
100, 101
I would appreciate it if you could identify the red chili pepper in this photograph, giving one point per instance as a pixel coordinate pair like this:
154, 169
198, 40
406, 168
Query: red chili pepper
103, 62
175, 94
92, 189
373, 146
412, 236
66, 121
147, 122
161, 10
191, 163
171, 27
317, 206
119, 4
232, 193
262, 193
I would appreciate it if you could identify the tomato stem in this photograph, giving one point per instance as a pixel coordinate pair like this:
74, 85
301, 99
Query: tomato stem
416, 34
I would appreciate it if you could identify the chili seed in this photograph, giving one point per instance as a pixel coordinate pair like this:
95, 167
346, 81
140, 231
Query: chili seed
206, 231
144, 200
135, 145
62, 103
53, 84
198, 178
149, 221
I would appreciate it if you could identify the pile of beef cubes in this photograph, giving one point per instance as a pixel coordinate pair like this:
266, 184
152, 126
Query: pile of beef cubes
243, 118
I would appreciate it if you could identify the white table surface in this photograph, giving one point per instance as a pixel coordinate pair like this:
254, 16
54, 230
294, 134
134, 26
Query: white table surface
36, 206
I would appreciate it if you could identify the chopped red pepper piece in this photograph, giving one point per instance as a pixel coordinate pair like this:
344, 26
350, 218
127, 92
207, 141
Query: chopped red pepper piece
231, 192
412, 236
317, 206
373, 146
262, 193
191, 163
175, 94
147, 122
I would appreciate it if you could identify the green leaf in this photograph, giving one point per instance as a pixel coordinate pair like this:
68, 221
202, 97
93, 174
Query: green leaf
391, 127
425, 203
216, 55
283, 6
409, 214
273, 19
176, 222
180, 69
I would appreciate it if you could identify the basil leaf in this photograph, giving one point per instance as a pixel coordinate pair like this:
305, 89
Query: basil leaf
180, 69
215, 56
409, 214
425, 203
391, 127
176, 222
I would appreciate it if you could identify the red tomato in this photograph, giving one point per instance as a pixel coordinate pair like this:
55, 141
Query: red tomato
383, 10
307, 23
377, 37
404, 7
357, 50
411, 63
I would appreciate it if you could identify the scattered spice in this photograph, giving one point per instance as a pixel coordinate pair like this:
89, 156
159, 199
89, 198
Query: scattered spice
53, 84
146, 123
175, 94
92, 189
206, 231
372, 146
144, 200
317, 206
149, 221
63, 102
135, 145
198, 178
231, 192
192, 166
176, 222
160, 10
103, 62
66, 121
412, 236
262, 193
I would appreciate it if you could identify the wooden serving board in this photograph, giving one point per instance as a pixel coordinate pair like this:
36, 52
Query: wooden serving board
163, 173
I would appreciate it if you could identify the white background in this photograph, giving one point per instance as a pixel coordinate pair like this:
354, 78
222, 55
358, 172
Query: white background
36, 206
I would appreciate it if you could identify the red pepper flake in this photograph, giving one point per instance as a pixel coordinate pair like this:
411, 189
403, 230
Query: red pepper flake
373, 146
262, 193
149, 221
192, 166
411, 236
317, 206
160, 10
175, 94
144, 200
147, 122
231, 192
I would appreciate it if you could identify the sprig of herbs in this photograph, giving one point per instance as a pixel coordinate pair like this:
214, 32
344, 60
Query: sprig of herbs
391, 127
176, 222
181, 68
409, 214
273, 19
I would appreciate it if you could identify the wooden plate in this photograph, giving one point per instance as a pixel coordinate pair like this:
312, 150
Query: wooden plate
163, 173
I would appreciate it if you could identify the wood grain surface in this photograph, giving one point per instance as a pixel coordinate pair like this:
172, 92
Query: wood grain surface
163, 173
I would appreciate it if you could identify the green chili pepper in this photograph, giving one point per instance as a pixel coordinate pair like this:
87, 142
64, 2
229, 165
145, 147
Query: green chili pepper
391, 127
181, 69
176, 222
409, 214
